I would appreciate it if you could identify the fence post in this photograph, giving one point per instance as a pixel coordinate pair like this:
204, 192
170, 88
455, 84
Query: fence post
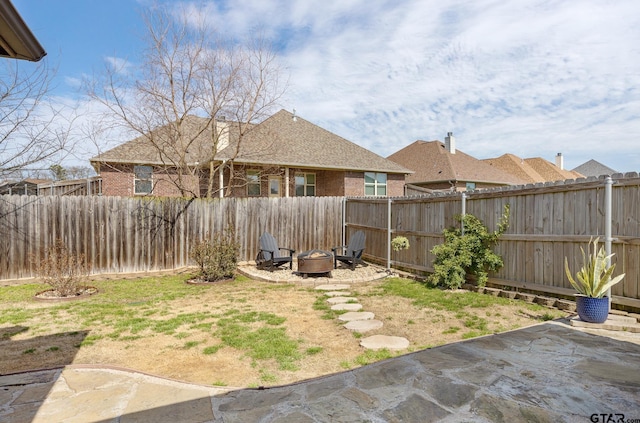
464, 211
608, 184
388, 233
344, 220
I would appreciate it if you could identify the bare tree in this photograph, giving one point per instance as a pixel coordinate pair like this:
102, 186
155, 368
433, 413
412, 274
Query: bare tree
33, 128
190, 86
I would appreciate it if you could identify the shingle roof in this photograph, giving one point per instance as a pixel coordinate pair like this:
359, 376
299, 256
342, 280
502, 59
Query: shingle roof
158, 146
279, 140
431, 162
549, 171
594, 168
532, 170
283, 140
516, 166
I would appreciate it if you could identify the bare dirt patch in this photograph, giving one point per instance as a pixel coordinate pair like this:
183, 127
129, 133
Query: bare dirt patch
36, 335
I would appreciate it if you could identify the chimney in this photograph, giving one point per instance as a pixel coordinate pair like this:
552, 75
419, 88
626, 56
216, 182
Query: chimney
450, 143
559, 161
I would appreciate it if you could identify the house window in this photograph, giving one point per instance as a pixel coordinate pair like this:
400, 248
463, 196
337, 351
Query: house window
253, 183
375, 183
142, 179
305, 184
274, 186
471, 186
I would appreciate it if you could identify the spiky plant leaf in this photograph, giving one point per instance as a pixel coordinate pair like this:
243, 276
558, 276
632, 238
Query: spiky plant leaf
594, 277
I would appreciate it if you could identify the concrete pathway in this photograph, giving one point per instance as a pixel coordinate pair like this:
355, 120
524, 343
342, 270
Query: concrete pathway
551, 372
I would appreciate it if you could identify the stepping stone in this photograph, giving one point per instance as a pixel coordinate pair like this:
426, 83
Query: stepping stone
341, 300
356, 315
363, 325
332, 287
379, 342
337, 293
348, 307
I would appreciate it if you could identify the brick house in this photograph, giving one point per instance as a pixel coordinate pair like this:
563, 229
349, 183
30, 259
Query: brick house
283, 156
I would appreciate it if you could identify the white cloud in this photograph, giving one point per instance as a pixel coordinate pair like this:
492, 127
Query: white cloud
530, 78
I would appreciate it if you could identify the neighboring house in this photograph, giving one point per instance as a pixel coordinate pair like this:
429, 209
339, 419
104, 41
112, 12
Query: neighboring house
533, 170
594, 168
283, 156
24, 187
439, 166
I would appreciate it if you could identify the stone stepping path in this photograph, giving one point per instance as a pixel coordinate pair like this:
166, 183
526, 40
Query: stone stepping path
333, 287
363, 325
337, 293
347, 306
341, 300
379, 342
360, 321
356, 315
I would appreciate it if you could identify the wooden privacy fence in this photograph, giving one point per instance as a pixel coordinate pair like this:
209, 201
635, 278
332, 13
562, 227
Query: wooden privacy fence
118, 234
548, 223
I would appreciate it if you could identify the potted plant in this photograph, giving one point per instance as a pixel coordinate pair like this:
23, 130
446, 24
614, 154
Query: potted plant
592, 282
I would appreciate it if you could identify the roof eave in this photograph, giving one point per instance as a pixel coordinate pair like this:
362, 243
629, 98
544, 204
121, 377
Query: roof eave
16, 39
317, 166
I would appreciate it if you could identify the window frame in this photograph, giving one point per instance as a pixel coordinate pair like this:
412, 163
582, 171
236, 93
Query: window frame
140, 173
254, 179
377, 184
278, 179
306, 185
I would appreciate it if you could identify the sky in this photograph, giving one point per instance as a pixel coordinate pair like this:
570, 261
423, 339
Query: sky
528, 77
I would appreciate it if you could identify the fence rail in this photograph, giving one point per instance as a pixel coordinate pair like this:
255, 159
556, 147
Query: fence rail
548, 223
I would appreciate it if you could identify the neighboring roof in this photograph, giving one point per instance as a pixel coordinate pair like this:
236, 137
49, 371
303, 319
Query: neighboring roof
532, 170
516, 166
549, 171
594, 168
157, 147
292, 141
16, 39
280, 140
431, 162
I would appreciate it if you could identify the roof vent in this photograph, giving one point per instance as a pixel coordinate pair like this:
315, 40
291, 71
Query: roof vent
450, 143
294, 118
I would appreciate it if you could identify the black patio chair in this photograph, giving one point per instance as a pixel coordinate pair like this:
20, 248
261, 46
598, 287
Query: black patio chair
270, 255
350, 254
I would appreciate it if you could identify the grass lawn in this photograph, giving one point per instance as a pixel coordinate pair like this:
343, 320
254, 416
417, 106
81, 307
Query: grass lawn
238, 333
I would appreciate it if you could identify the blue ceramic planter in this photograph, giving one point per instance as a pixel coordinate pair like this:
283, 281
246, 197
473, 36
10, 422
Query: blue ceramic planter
592, 310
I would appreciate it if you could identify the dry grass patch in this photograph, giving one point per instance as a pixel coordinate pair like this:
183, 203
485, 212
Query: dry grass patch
236, 333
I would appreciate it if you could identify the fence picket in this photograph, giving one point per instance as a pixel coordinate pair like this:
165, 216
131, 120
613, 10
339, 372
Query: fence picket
115, 234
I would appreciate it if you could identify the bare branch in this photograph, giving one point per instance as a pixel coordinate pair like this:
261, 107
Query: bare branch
33, 128
188, 81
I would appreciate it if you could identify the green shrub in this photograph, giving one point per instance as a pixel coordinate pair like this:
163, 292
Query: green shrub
217, 258
63, 270
470, 253
400, 243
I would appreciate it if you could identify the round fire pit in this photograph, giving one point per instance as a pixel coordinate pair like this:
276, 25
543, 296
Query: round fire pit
315, 262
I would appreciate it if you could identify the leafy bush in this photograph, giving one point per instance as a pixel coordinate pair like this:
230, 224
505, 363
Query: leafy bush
400, 243
217, 258
470, 253
61, 269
